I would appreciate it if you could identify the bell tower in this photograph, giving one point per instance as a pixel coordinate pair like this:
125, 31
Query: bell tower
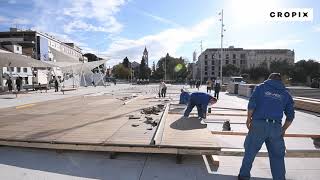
145, 56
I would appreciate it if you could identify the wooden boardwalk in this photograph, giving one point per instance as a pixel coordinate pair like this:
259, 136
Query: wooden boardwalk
100, 122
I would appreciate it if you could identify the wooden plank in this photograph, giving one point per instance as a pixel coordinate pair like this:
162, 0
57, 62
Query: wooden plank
114, 148
235, 133
186, 132
159, 133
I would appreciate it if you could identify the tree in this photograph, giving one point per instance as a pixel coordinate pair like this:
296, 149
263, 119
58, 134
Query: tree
144, 70
230, 70
305, 70
282, 67
120, 71
176, 69
126, 62
260, 72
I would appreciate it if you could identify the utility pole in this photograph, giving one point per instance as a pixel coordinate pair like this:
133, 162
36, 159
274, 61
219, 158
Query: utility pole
222, 30
201, 75
165, 69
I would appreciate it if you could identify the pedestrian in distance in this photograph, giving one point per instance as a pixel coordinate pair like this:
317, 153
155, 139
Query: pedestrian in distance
201, 100
217, 89
198, 84
264, 121
18, 83
56, 86
209, 85
9, 84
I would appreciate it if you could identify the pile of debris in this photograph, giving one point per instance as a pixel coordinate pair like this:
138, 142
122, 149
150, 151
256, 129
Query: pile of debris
153, 110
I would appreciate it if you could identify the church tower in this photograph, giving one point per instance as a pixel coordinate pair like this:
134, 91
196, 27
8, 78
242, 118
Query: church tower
145, 56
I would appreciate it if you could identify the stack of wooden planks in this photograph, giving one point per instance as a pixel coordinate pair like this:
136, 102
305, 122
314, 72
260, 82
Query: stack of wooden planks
308, 104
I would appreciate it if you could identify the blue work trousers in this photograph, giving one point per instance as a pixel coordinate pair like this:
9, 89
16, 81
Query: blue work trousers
269, 132
200, 108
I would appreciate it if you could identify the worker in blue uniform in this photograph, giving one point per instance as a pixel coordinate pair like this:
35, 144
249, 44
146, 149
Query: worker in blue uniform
184, 97
201, 100
265, 111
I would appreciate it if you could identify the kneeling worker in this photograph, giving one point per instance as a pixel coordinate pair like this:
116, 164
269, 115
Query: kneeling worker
184, 97
201, 100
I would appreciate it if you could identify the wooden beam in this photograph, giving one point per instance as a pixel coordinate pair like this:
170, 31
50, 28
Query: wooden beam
236, 133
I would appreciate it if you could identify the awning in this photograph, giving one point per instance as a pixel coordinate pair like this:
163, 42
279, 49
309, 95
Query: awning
8, 59
61, 57
68, 67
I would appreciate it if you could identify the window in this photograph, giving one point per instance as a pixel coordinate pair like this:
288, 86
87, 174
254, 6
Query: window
242, 56
205, 73
205, 56
18, 49
212, 68
234, 56
205, 62
18, 69
25, 70
227, 61
234, 61
227, 56
212, 56
219, 55
12, 69
205, 68
212, 62
212, 73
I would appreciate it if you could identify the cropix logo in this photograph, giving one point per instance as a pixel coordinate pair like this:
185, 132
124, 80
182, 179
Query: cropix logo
291, 14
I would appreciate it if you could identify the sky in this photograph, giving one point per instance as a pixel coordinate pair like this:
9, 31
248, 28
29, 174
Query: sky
115, 29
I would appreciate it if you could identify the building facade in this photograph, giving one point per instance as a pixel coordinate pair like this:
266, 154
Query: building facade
209, 61
40, 46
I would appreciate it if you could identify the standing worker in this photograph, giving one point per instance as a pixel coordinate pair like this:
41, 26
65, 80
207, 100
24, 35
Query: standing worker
265, 110
201, 100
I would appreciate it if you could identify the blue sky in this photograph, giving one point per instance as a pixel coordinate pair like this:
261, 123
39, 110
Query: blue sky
119, 28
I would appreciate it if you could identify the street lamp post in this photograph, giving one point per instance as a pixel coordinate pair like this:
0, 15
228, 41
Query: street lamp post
222, 30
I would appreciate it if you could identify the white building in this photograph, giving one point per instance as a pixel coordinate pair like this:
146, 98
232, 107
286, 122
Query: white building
41, 46
210, 59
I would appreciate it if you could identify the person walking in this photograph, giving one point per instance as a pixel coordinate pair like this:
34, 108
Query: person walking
9, 83
265, 110
56, 85
201, 101
198, 84
217, 88
18, 83
209, 85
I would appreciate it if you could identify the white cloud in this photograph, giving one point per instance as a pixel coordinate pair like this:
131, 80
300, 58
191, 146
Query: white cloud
158, 44
317, 28
100, 10
20, 21
160, 19
12, 1
79, 25
3, 19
